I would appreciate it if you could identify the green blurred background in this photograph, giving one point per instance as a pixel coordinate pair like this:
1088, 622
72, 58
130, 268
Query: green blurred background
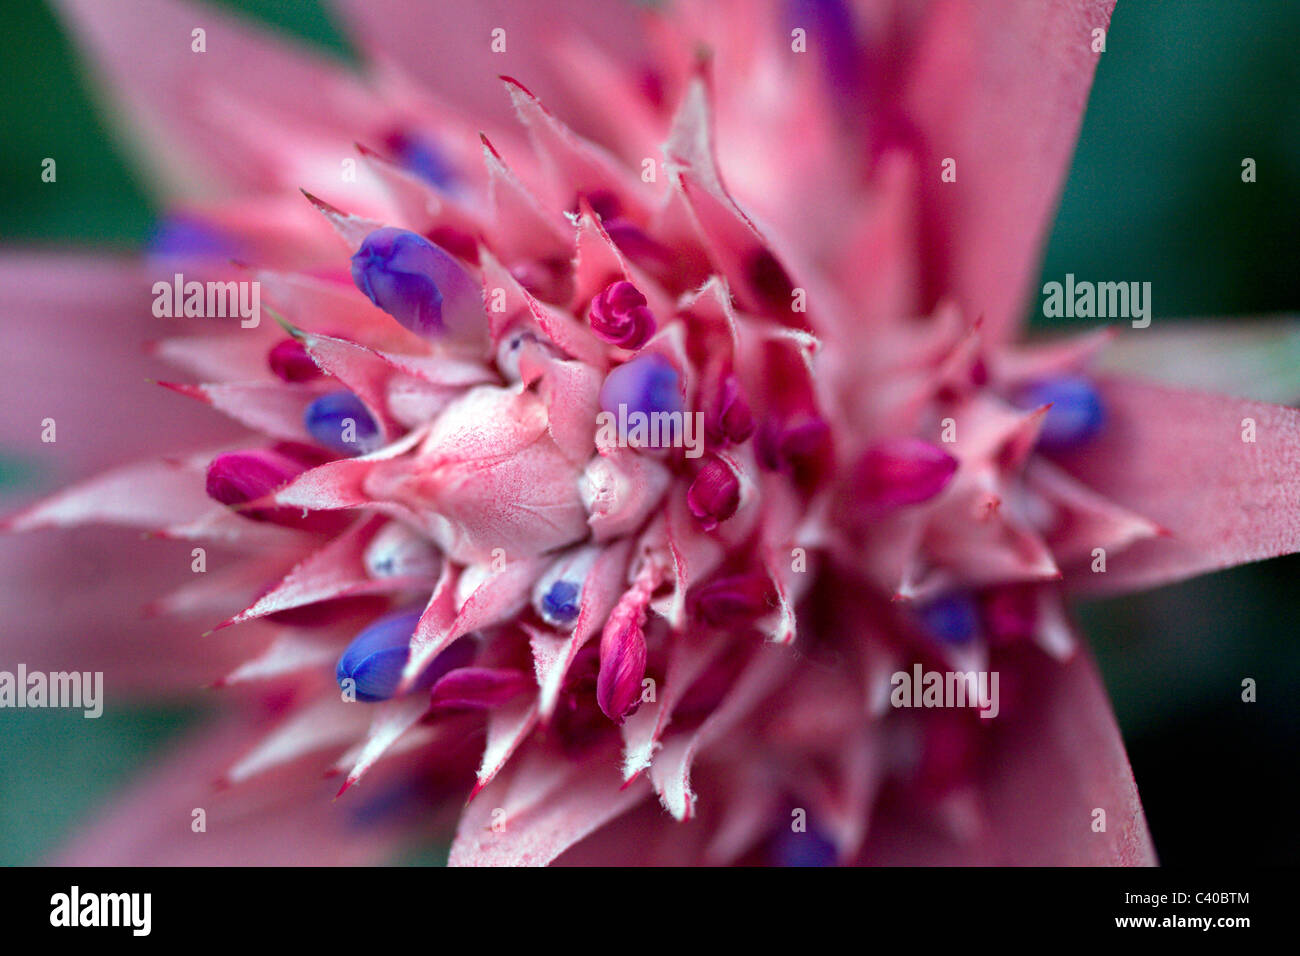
1184, 91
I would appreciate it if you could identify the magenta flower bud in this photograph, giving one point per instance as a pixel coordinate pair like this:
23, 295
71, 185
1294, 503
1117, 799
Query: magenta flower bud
421, 286
727, 417
622, 662
902, 471
291, 363
799, 443
714, 495
479, 688
620, 316
734, 600
238, 477
1010, 613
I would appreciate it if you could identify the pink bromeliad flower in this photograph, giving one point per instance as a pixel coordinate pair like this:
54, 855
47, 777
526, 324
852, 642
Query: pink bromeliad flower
625, 419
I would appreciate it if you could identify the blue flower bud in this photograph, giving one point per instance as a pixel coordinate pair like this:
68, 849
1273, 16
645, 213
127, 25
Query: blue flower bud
375, 658
807, 848
647, 384
340, 421
421, 286
1076, 414
952, 618
557, 596
419, 154
832, 38
185, 237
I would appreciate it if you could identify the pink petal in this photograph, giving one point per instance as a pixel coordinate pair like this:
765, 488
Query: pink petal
151, 495
167, 93
671, 771
688, 657
90, 612
327, 722
447, 45
1001, 89
1051, 767
389, 720
500, 597
542, 807
81, 361
1177, 458
336, 570
508, 727
273, 408
285, 819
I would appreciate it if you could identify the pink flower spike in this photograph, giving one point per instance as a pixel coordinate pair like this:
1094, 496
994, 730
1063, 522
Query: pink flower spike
620, 316
714, 495
902, 471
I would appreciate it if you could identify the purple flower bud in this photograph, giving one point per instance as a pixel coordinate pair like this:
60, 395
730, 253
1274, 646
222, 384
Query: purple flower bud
620, 316
714, 495
421, 286
340, 420
375, 658
647, 384
952, 618
833, 39
291, 363
801, 848
421, 156
902, 471
557, 596
188, 237
1076, 414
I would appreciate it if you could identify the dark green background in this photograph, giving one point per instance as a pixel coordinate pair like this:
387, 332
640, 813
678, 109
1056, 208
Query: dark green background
1183, 93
